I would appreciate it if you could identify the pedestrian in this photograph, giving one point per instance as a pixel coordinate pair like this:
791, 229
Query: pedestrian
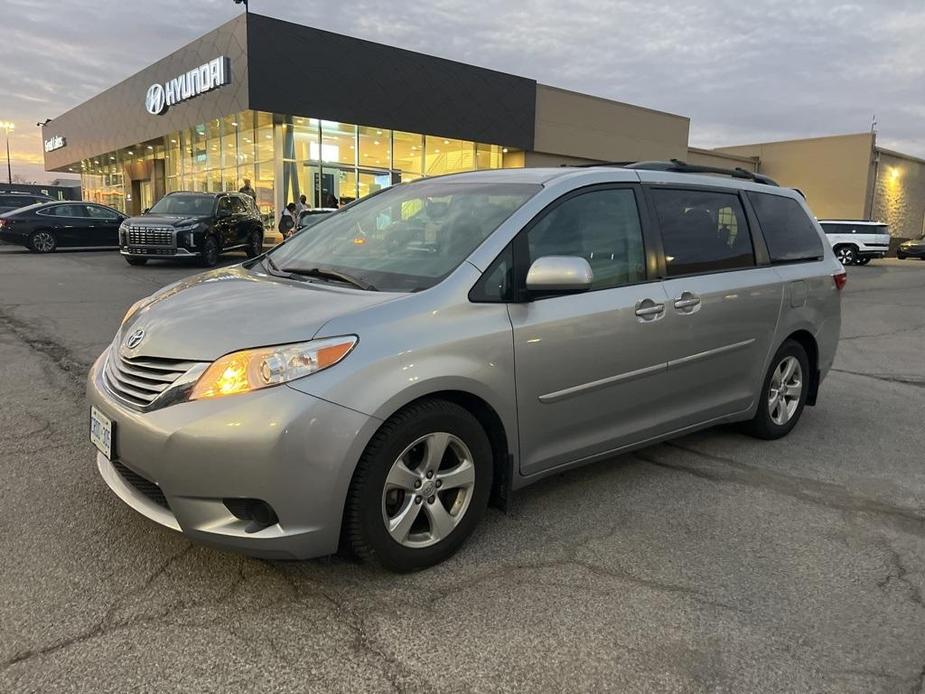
247, 189
301, 207
331, 201
287, 221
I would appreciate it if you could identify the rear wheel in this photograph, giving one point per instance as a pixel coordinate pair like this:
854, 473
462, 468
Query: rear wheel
420, 488
846, 254
254, 245
131, 260
42, 242
783, 394
900, 256
208, 256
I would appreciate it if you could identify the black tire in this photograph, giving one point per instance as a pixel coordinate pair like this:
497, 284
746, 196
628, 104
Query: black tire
42, 241
846, 254
900, 256
254, 245
208, 255
365, 533
863, 261
763, 426
132, 260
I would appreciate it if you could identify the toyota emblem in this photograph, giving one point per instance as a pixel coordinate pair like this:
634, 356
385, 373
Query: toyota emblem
135, 339
156, 100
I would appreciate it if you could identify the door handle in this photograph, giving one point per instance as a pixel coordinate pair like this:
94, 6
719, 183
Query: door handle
688, 302
648, 310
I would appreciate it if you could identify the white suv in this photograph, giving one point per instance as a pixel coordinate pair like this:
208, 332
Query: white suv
857, 242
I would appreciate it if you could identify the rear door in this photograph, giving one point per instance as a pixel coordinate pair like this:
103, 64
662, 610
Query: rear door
723, 304
590, 367
69, 223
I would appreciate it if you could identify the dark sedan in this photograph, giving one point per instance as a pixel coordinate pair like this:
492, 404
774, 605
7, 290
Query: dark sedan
913, 248
45, 227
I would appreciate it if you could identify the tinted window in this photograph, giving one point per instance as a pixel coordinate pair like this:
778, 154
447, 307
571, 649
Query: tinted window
843, 228
702, 231
238, 206
100, 212
18, 201
787, 229
196, 205
497, 282
602, 227
65, 211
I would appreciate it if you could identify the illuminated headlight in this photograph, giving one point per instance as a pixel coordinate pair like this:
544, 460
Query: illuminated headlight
136, 307
253, 369
186, 233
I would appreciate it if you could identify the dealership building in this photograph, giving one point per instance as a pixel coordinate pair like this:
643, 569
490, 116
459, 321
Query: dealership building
297, 110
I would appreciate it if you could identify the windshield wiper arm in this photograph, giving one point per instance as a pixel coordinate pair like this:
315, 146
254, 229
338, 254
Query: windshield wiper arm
331, 274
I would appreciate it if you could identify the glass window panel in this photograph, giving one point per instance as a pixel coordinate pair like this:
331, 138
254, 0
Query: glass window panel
305, 139
375, 147
368, 183
444, 155
488, 156
408, 155
338, 143
264, 142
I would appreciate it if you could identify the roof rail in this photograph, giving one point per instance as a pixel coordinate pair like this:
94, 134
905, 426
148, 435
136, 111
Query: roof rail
678, 166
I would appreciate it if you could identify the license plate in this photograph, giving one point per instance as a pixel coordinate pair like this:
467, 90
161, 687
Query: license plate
101, 432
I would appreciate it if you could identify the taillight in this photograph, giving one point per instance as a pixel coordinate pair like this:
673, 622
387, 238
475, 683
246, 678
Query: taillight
841, 279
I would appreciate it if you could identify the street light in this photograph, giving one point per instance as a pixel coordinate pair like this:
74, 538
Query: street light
8, 126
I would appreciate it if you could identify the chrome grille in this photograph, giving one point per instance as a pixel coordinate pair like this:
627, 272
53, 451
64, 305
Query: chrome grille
150, 236
139, 381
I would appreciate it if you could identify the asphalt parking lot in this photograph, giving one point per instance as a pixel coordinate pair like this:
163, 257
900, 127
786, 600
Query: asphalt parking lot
712, 563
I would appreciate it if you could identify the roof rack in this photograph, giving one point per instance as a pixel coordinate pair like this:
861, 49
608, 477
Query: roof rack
678, 166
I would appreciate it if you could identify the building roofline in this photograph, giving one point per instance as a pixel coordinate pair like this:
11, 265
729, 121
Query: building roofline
729, 155
901, 155
794, 140
613, 101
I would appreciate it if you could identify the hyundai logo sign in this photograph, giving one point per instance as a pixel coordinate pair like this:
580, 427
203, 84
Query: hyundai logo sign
206, 77
135, 339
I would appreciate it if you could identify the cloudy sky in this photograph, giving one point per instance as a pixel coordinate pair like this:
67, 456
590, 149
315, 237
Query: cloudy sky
742, 71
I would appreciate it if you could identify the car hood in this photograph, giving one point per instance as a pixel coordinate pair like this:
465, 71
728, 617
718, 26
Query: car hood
165, 219
214, 313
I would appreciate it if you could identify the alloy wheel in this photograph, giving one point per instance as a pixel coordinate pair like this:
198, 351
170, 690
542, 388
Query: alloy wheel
428, 490
845, 255
785, 391
43, 242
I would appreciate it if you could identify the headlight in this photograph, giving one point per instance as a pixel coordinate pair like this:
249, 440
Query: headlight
252, 369
186, 232
136, 307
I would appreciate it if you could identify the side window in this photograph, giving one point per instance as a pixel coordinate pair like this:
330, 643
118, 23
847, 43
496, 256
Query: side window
498, 281
65, 211
702, 231
787, 229
238, 206
99, 212
601, 226
224, 205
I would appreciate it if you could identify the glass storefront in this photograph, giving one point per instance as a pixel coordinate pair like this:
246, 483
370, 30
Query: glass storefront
282, 157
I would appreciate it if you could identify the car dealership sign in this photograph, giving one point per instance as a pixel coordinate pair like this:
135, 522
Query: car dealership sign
206, 77
55, 142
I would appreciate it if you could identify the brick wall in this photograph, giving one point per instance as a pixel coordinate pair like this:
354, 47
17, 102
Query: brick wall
899, 197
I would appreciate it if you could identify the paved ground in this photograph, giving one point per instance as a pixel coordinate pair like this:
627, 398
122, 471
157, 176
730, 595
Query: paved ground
714, 563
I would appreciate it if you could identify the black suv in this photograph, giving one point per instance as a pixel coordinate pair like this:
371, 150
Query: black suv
193, 225
13, 199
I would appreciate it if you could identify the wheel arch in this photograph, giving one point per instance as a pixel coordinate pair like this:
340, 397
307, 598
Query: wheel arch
808, 342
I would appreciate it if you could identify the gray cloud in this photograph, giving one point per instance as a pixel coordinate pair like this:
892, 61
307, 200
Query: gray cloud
743, 72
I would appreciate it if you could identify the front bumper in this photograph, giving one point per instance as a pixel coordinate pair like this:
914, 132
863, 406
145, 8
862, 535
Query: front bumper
911, 252
293, 451
139, 252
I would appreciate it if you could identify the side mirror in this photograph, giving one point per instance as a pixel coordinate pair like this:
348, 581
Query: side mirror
554, 274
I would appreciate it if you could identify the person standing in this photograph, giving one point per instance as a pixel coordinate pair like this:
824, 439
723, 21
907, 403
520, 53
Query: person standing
287, 222
301, 206
246, 189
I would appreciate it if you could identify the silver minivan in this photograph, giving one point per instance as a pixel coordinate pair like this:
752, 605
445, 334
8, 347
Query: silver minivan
373, 385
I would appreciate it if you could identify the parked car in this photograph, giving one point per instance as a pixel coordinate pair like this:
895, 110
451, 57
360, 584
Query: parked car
198, 226
441, 343
13, 200
47, 226
913, 248
857, 242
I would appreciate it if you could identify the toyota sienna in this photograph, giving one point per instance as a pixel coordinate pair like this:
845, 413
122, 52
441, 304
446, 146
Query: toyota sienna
373, 385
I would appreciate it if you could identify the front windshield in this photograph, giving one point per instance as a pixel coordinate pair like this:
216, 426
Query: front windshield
184, 205
406, 238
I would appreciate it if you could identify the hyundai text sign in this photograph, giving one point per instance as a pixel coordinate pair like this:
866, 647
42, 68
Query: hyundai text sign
55, 142
215, 73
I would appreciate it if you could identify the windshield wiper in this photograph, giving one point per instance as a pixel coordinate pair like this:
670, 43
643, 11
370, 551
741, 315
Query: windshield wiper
331, 275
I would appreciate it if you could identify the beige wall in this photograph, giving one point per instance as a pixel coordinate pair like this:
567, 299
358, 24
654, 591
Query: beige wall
900, 193
834, 172
710, 157
572, 126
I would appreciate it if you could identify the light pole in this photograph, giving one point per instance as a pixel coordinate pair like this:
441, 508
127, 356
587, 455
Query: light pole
8, 126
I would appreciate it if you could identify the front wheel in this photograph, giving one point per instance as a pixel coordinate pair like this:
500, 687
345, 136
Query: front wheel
900, 256
254, 245
42, 242
783, 393
420, 487
208, 256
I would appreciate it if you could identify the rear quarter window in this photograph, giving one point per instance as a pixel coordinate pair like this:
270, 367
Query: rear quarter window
788, 231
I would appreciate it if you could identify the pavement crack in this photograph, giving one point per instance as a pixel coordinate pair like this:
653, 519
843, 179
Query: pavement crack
898, 573
721, 469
